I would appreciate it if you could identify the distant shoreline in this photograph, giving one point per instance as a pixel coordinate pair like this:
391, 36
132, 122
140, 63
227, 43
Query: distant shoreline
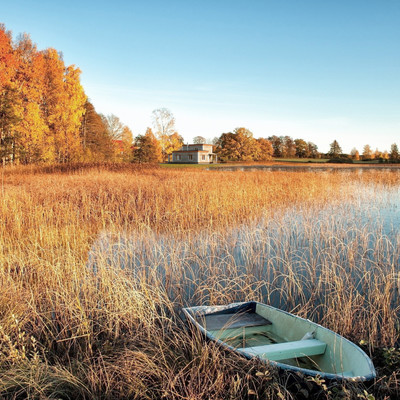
306, 166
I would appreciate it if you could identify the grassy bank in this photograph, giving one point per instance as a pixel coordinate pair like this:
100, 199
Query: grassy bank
97, 261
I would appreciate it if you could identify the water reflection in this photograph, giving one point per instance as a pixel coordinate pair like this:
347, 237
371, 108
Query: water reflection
305, 168
300, 255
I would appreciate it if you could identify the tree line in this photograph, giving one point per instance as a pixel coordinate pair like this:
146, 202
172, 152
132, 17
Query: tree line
45, 116
240, 145
336, 154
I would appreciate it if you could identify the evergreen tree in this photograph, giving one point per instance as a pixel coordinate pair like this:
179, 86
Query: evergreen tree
147, 148
96, 143
394, 153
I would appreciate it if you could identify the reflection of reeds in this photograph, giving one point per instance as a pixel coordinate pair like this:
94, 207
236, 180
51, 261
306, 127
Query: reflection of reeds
107, 323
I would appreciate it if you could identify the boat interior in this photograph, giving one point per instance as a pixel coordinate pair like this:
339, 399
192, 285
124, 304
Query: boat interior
252, 334
291, 341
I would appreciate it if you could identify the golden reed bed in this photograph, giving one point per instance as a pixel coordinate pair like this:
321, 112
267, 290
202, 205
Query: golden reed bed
68, 328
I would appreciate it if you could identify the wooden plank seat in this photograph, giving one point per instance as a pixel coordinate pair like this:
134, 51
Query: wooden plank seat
214, 322
287, 350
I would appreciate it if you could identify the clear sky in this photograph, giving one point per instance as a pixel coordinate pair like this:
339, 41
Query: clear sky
313, 69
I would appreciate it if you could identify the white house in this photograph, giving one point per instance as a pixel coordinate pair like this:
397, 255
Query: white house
193, 154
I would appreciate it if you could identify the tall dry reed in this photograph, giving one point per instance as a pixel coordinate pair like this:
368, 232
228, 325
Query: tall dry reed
96, 262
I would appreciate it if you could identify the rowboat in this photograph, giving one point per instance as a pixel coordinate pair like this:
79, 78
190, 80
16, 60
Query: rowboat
282, 339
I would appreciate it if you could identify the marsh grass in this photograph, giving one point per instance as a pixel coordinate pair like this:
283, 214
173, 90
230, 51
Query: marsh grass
96, 262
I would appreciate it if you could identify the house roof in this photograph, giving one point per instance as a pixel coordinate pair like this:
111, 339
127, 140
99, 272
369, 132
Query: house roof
192, 151
199, 144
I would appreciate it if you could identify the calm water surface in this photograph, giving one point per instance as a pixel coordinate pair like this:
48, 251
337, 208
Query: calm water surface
356, 237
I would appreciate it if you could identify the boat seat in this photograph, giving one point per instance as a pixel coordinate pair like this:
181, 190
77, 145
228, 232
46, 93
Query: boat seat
214, 322
287, 350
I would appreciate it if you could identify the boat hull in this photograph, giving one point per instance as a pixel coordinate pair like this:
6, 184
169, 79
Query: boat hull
282, 339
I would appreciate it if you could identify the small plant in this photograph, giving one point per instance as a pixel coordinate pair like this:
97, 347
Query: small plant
391, 356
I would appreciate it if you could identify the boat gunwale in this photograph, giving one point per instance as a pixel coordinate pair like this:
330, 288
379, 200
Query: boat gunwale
190, 312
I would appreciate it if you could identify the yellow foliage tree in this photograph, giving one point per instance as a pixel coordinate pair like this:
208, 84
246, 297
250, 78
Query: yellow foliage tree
127, 142
74, 100
64, 106
171, 143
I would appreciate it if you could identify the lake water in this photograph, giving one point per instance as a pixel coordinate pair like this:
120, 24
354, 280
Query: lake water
307, 168
301, 254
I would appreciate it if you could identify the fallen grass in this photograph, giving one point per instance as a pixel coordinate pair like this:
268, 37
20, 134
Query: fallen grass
96, 262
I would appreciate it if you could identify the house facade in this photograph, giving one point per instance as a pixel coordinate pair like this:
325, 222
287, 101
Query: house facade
193, 154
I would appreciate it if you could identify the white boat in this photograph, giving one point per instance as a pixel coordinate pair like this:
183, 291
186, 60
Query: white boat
282, 339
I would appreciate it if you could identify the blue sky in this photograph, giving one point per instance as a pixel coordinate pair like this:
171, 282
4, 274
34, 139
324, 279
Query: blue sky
318, 70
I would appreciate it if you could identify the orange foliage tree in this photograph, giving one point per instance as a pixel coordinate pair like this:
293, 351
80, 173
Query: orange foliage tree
32, 130
42, 105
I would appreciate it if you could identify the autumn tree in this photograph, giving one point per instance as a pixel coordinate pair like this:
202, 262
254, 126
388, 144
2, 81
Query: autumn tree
7, 57
10, 108
335, 149
265, 150
301, 148
354, 154
127, 142
385, 155
73, 103
42, 104
227, 147
238, 145
367, 152
32, 131
277, 145
147, 148
289, 147
63, 107
377, 154
174, 142
312, 150
53, 88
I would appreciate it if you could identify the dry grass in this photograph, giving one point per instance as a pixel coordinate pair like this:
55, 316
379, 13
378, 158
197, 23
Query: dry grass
96, 262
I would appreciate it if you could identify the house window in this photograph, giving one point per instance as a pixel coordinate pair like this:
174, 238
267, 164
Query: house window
178, 157
203, 158
190, 157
